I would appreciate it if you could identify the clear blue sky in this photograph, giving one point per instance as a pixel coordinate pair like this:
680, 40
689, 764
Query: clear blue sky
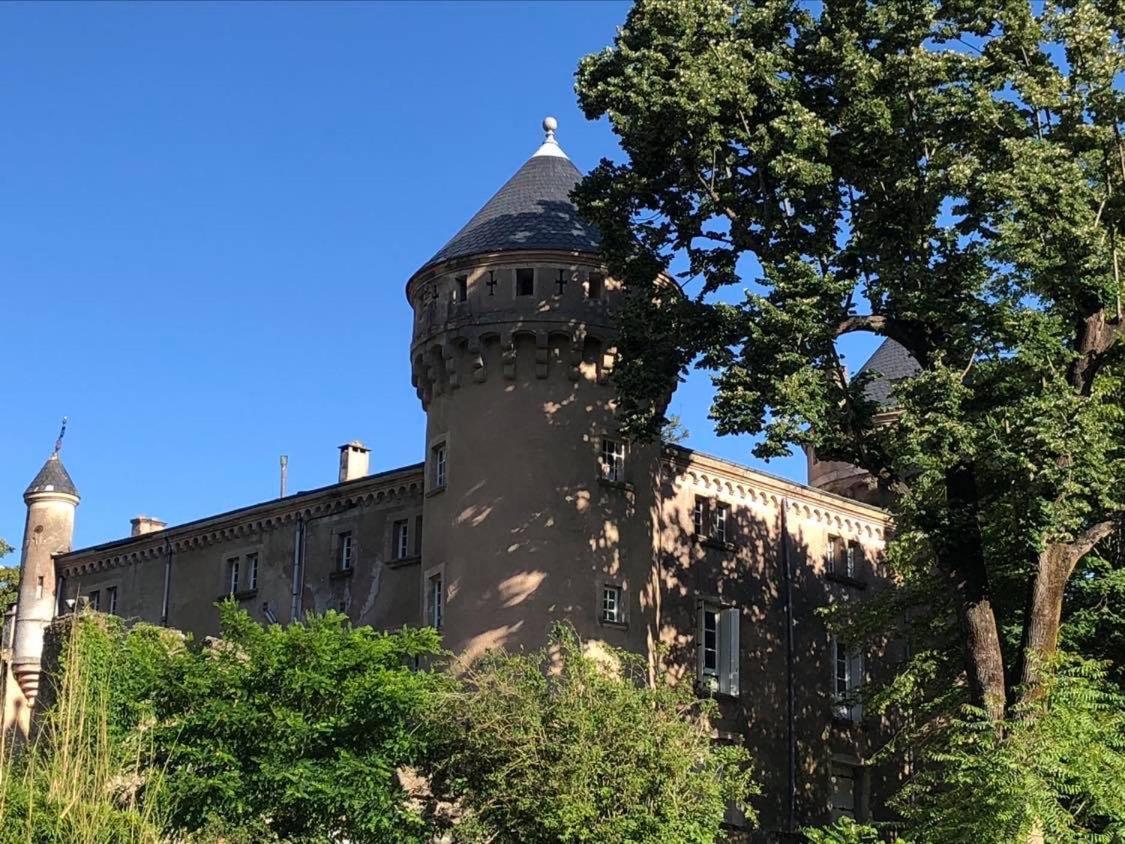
208, 213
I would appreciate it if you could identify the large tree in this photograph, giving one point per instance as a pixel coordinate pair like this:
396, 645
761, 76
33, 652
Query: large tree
945, 174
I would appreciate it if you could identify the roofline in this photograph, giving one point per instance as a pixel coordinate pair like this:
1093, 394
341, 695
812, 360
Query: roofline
783, 486
175, 531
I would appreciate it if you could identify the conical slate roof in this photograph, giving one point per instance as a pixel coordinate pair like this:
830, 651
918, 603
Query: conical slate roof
890, 363
531, 211
53, 477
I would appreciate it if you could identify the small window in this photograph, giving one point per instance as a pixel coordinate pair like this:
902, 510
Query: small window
344, 551
594, 286
39, 587
721, 522
434, 601
525, 282
252, 571
95, 599
232, 575
613, 460
847, 677
111, 600
719, 653
462, 288
701, 515
843, 790
400, 534
342, 606
851, 556
843, 557
612, 611
437, 465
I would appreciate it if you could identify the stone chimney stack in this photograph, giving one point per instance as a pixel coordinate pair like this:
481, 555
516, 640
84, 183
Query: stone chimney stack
355, 458
145, 524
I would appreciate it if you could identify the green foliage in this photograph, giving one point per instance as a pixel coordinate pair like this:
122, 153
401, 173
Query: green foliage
847, 831
561, 746
1057, 768
301, 726
9, 580
949, 174
82, 779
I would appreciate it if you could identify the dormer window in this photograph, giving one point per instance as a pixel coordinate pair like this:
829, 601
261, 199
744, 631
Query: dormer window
525, 282
594, 286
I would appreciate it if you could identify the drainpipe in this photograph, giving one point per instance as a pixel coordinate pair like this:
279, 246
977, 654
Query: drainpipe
167, 582
298, 565
790, 699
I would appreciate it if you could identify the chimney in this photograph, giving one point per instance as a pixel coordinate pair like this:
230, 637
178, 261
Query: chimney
355, 457
146, 524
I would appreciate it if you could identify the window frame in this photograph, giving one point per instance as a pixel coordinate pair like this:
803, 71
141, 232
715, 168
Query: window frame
612, 460
439, 465
848, 676
433, 612
595, 290
233, 574
618, 592
400, 539
723, 678
461, 289
345, 550
111, 599
252, 570
94, 599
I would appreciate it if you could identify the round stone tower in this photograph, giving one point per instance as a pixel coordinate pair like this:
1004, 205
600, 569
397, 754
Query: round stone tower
51, 500
534, 504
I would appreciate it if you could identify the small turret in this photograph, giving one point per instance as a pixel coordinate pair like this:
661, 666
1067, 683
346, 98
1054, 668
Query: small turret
51, 500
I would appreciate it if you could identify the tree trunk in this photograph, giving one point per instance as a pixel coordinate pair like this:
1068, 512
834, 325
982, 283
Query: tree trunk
961, 555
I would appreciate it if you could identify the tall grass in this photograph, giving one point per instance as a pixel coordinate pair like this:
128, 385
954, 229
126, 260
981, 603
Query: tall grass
80, 779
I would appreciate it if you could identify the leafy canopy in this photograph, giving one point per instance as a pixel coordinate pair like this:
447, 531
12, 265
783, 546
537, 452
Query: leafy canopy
561, 746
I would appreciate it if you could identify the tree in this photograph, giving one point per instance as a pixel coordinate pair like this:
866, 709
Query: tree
942, 173
296, 731
9, 581
560, 746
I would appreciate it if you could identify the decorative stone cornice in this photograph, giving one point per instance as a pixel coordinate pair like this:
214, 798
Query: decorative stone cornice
764, 494
374, 490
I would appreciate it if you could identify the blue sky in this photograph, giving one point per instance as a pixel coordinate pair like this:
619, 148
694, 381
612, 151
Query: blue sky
208, 213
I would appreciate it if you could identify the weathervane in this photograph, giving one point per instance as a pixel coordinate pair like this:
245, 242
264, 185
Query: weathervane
62, 433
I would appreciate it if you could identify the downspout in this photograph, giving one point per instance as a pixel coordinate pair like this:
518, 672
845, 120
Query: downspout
167, 582
298, 566
790, 698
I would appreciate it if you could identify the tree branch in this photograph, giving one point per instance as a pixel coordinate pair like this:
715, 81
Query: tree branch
862, 322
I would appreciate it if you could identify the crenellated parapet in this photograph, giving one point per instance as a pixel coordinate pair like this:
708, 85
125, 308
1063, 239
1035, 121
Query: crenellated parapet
529, 315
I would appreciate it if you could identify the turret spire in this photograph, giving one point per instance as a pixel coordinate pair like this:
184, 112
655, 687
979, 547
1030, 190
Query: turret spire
550, 144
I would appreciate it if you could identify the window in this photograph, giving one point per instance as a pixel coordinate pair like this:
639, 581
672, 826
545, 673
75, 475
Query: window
418, 536
342, 606
594, 286
612, 610
700, 515
434, 601
111, 600
462, 288
437, 465
843, 557
613, 460
721, 522
344, 551
525, 282
95, 600
718, 651
252, 571
847, 677
232, 575
400, 537
843, 790
39, 587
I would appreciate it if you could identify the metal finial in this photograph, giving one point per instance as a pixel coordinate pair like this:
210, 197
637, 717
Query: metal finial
62, 433
549, 126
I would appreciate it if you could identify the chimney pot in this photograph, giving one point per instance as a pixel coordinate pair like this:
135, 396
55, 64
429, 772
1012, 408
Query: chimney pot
146, 524
355, 458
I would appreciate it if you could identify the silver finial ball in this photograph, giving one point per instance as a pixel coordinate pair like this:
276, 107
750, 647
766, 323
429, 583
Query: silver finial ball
550, 124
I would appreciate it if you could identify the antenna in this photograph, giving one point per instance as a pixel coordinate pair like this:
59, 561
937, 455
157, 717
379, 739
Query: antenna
62, 433
284, 473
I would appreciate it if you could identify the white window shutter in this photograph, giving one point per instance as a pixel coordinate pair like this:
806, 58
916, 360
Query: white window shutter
729, 652
699, 640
